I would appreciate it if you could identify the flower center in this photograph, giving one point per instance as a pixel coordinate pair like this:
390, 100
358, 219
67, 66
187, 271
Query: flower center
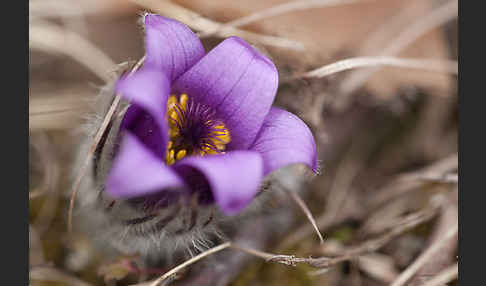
193, 129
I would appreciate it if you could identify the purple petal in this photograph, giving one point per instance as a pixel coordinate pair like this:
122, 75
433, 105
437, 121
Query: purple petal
138, 172
234, 178
238, 82
285, 139
148, 91
170, 45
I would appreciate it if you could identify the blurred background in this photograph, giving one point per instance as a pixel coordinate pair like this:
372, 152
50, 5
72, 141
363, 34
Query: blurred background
386, 201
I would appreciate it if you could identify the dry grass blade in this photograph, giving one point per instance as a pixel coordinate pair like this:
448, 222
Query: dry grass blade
47, 156
36, 250
447, 275
200, 23
85, 165
341, 186
437, 169
196, 258
307, 212
55, 8
58, 109
92, 149
290, 260
410, 181
44, 273
277, 10
53, 39
406, 224
424, 257
36, 193
49, 162
447, 178
348, 169
254, 252
441, 66
429, 22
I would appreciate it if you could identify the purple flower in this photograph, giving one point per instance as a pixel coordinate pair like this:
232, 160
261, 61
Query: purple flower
203, 123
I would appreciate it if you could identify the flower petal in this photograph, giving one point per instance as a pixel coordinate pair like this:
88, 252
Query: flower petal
138, 172
238, 82
233, 178
170, 45
285, 139
148, 91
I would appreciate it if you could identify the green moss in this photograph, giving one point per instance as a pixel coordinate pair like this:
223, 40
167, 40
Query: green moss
344, 234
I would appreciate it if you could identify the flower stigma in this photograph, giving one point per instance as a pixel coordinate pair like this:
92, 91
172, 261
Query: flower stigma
193, 129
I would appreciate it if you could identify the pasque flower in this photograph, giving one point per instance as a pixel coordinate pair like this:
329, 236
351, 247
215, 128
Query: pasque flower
203, 123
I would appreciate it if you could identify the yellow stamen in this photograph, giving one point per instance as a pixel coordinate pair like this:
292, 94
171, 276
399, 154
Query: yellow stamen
173, 114
171, 102
183, 100
221, 147
218, 138
170, 157
181, 154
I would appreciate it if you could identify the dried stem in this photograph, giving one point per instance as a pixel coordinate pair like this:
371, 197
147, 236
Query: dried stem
440, 66
196, 258
53, 39
409, 181
48, 159
448, 217
44, 273
298, 200
86, 163
61, 108
348, 169
446, 275
200, 23
94, 145
275, 11
254, 252
427, 23
424, 257
55, 8
371, 245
